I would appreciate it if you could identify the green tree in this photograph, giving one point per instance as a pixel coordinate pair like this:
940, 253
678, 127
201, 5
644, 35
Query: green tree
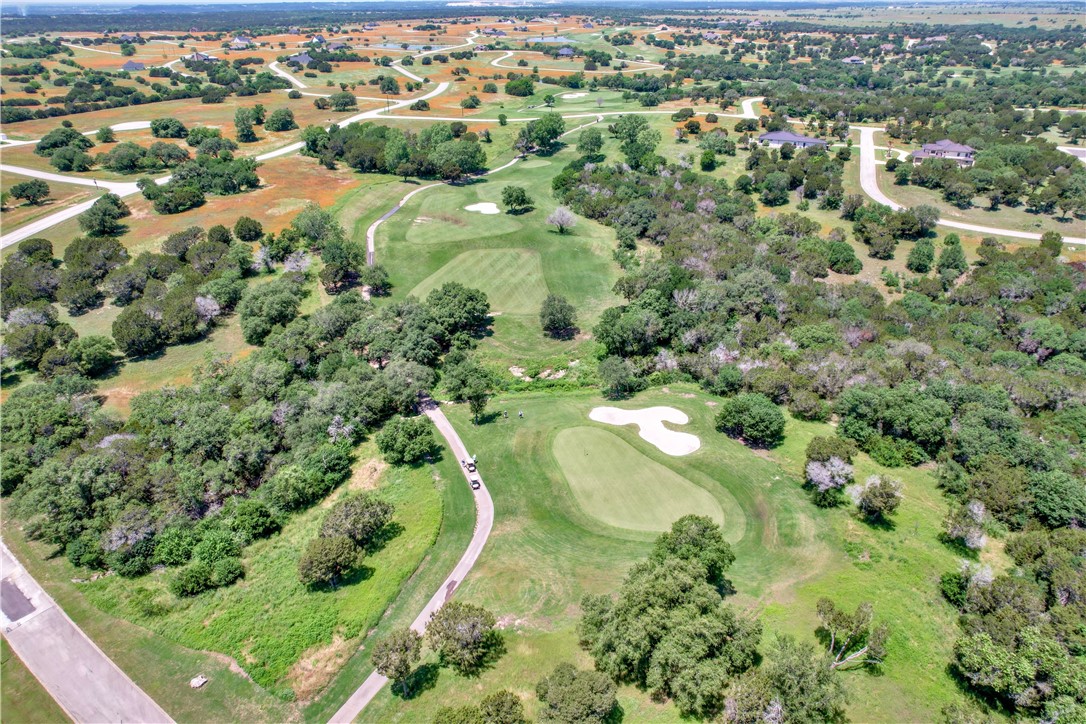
557, 316
357, 517
463, 634
590, 142
248, 230
243, 125
853, 639
281, 119
753, 417
1052, 242
879, 497
138, 334
93, 354
952, 258
105, 135
921, 256
502, 707
103, 217
406, 440
572, 696
395, 655
326, 560
34, 191
516, 198
617, 376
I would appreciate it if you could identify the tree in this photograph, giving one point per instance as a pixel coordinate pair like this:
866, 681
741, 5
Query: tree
395, 655
103, 217
281, 119
952, 258
753, 417
243, 125
138, 334
458, 309
502, 707
1051, 242
697, 538
794, 685
590, 142
343, 101
266, 306
463, 634
879, 497
921, 257
105, 135
477, 394
852, 639
516, 198
248, 230
545, 131
33, 192
325, 560
557, 316
618, 377
168, 128
357, 517
522, 87
574, 696
562, 218
93, 354
406, 440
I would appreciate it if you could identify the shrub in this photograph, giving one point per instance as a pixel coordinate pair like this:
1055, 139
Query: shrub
406, 440
192, 580
326, 560
753, 417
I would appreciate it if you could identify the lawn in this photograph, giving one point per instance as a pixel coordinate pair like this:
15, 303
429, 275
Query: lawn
614, 483
22, 698
516, 259
290, 639
19, 213
546, 552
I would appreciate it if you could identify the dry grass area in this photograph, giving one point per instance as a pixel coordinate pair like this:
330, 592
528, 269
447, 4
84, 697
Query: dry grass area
18, 212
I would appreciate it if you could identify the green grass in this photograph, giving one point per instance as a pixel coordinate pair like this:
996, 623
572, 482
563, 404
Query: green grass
511, 278
613, 482
269, 620
546, 552
22, 697
516, 259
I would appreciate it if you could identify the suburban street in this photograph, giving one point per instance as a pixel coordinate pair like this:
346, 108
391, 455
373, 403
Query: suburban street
86, 684
484, 521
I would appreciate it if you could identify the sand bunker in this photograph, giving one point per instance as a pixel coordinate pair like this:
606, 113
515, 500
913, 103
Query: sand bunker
484, 208
650, 423
571, 96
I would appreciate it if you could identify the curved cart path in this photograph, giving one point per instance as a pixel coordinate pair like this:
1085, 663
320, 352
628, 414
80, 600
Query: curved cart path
484, 521
869, 183
86, 684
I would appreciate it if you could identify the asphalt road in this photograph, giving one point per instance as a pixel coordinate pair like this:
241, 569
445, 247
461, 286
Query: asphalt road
86, 684
870, 185
484, 521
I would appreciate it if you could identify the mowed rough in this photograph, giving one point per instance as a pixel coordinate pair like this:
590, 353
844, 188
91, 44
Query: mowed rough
619, 486
511, 278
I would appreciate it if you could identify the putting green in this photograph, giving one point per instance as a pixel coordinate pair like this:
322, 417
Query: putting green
511, 278
619, 486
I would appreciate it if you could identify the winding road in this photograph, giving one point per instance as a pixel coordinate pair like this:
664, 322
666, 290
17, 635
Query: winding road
484, 521
869, 183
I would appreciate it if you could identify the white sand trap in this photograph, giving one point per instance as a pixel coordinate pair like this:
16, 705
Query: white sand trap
484, 208
571, 96
650, 424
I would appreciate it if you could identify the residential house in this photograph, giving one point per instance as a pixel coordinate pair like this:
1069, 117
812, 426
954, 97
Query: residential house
338, 46
132, 65
957, 152
565, 53
318, 39
241, 42
854, 60
303, 59
197, 56
779, 138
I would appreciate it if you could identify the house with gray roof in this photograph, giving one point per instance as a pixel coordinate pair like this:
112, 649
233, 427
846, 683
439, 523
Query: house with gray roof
779, 138
959, 153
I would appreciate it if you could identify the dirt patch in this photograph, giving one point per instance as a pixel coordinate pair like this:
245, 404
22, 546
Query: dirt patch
233, 665
711, 403
450, 219
366, 475
317, 666
518, 372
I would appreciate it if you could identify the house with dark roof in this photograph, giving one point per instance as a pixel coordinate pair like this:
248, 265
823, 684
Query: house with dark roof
197, 56
318, 39
565, 53
241, 42
126, 38
302, 59
959, 153
338, 46
779, 138
132, 65
854, 60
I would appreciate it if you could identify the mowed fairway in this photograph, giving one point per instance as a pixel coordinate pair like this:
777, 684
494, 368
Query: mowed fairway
511, 278
616, 484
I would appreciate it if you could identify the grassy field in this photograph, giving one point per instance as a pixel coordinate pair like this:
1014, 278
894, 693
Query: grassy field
614, 483
546, 552
61, 196
23, 699
515, 259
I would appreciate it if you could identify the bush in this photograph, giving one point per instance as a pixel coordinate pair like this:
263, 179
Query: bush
192, 580
571, 695
326, 560
753, 417
216, 545
406, 440
226, 571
